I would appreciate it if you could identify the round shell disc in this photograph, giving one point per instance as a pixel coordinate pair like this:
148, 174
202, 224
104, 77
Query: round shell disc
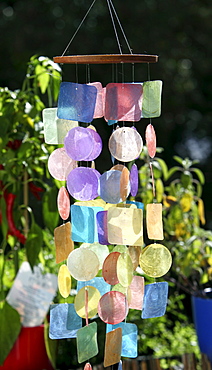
100, 250
93, 300
155, 260
83, 264
109, 186
125, 144
79, 143
63, 203
113, 307
125, 269
109, 268
97, 148
150, 140
60, 164
124, 183
82, 183
64, 281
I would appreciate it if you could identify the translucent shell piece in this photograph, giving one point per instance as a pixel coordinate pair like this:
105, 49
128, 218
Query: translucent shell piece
134, 180
87, 346
113, 345
109, 268
155, 300
101, 219
124, 183
84, 225
63, 203
97, 282
151, 106
88, 366
101, 251
83, 144
125, 144
64, 244
125, 226
134, 252
109, 186
137, 292
83, 264
60, 164
123, 102
55, 129
113, 307
129, 338
64, 321
124, 269
82, 183
150, 140
154, 221
64, 281
93, 300
155, 260
100, 99
76, 102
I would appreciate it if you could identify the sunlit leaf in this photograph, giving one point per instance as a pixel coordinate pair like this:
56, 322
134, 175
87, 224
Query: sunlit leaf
42, 77
199, 174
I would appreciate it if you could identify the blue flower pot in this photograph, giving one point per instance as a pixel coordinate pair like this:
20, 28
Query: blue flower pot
202, 315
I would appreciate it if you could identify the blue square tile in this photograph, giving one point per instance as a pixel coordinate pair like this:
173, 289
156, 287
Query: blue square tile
64, 321
84, 225
76, 102
129, 338
155, 300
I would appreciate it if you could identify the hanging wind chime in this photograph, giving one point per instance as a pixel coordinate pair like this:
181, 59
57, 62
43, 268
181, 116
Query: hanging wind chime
102, 218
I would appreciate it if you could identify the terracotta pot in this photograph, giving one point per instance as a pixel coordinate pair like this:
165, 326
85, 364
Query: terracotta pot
29, 351
202, 314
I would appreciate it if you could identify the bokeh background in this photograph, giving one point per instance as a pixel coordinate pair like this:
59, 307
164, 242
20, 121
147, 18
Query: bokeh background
180, 32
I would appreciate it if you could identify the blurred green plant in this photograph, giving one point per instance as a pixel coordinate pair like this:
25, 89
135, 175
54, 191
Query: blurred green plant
180, 189
24, 182
169, 336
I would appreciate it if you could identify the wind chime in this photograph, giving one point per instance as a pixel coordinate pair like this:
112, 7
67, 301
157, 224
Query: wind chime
104, 236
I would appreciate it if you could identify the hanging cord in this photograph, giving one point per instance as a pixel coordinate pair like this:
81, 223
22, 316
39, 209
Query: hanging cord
114, 26
121, 28
79, 27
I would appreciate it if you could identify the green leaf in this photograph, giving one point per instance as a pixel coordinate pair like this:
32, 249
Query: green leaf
4, 223
51, 345
199, 174
10, 328
42, 77
172, 171
163, 166
159, 190
178, 159
50, 211
33, 244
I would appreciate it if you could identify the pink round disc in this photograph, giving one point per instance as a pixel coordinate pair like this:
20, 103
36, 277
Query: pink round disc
60, 164
113, 307
82, 183
150, 140
63, 203
134, 180
109, 268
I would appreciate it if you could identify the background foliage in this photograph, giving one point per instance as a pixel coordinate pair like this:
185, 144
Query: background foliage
179, 32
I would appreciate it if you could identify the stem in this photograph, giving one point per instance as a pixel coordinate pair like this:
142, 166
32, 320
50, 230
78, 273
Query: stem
2, 266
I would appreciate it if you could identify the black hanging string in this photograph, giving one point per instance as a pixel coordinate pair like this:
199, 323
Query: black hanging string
111, 11
78, 27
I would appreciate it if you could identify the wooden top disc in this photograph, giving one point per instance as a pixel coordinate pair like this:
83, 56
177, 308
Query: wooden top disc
106, 59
